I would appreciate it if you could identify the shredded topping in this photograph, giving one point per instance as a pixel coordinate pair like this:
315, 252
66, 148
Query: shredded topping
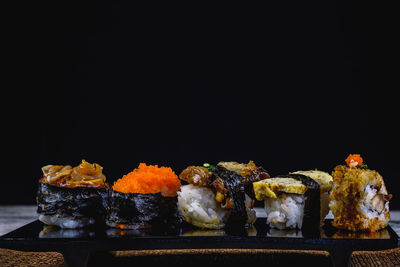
85, 174
149, 179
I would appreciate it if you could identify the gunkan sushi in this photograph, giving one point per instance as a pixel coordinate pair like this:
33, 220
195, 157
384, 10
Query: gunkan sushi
72, 197
144, 198
219, 196
295, 201
359, 199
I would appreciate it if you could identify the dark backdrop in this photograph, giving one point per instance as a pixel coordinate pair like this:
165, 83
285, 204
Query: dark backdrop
289, 84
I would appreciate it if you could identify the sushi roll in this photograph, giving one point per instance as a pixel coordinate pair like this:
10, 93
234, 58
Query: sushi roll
359, 199
220, 196
325, 182
72, 197
144, 198
296, 200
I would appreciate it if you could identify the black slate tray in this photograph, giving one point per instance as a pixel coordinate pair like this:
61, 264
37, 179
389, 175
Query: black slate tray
77, 244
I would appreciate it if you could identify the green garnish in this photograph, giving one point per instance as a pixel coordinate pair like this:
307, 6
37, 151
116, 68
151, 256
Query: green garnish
362, 166
209, 166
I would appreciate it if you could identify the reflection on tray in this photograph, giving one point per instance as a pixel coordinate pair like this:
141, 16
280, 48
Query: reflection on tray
114, 232
154, 231
381, 234
50, 231
260, 229
252, 231
249, 231
329, 231
204, 232
33, 234
284, 233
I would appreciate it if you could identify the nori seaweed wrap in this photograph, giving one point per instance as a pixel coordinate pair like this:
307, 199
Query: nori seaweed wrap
72, 197
141, 211
144, 198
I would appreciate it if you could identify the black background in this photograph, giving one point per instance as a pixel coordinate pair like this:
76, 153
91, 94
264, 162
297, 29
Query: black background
289, 84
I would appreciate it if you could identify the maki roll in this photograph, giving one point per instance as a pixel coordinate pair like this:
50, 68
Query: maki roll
219, 196
72, 197
295, 201
325, 182
144, 198
359, 200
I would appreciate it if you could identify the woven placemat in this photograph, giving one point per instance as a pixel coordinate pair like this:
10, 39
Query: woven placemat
201, 257
10, 257
221, 257
390, 257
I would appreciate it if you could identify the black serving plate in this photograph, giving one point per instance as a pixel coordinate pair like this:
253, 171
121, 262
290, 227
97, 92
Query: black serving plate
77, 244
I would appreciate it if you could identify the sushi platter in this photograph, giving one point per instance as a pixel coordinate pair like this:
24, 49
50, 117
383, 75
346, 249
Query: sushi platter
208, 206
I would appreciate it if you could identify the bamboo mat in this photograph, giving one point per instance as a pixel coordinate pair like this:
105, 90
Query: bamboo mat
202, 257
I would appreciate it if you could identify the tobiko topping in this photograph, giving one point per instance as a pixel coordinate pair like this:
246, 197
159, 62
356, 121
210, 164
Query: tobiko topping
353, 160
149, 179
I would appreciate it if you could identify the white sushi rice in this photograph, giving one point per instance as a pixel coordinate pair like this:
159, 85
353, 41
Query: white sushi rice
197, 205
368, 209
68, 222
251, 213
286, 211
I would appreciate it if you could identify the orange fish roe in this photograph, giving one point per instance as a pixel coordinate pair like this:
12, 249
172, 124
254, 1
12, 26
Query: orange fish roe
354, 160
149, 180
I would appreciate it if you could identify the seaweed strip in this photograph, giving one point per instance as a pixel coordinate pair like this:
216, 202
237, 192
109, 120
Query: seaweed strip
232, 182
312, 205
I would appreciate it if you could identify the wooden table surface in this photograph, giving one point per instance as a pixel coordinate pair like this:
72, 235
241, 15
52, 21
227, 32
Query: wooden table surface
12, 217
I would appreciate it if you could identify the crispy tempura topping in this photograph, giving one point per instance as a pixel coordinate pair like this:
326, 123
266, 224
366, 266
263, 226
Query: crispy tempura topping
359, 199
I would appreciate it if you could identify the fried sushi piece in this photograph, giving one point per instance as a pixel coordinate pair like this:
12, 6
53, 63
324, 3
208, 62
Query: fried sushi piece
359, 199
144, 198
295, 201
219, 196
72, 197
